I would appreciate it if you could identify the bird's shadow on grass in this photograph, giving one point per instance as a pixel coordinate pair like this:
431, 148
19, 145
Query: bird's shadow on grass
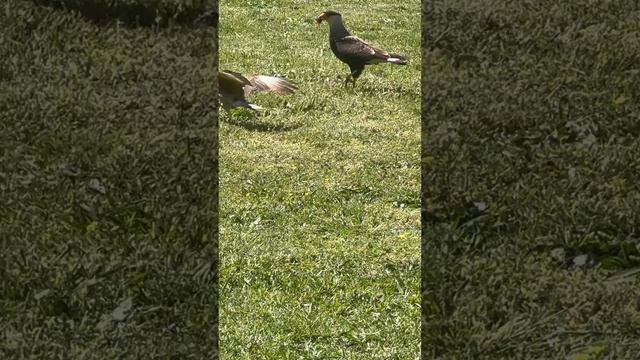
253, 123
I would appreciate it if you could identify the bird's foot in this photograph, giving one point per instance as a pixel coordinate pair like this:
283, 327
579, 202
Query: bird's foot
346, 80
349, 79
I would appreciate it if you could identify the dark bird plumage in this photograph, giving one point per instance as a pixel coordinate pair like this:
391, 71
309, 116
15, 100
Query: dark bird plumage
354, 51
234, 88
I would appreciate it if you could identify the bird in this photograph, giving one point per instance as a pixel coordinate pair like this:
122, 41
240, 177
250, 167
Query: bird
233, 88
352, 50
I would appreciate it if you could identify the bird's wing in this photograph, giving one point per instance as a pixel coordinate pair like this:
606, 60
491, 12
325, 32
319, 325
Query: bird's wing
260, 83
232, 84
356, 48
236, 75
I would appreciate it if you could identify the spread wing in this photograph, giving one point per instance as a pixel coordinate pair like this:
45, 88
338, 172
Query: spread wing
233, 87
260, 83
353, 48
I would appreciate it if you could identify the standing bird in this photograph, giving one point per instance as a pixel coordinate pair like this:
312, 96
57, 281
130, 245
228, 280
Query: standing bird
353, 51
233, 88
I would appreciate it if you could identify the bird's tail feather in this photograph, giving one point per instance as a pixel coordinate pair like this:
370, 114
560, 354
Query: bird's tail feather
244, 104
255, 107
397, 59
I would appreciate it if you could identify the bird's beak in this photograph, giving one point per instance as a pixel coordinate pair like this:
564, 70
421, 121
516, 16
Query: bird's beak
320, 18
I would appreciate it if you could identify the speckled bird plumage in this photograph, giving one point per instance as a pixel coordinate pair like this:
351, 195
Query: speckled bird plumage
353, 51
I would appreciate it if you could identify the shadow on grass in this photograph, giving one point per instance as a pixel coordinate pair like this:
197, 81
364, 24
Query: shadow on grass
253, 124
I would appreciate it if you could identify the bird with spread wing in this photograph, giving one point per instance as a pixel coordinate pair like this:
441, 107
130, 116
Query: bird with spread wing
354, 51
234, 88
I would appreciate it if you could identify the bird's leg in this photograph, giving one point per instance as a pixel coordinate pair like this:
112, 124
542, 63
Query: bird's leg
355, 74
347, 79
350, 79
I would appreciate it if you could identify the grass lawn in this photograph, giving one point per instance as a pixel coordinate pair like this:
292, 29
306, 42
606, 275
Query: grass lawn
319, 196
107, 188
532, 160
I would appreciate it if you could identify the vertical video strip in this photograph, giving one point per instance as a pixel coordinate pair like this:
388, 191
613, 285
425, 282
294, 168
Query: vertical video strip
108, 179
530, 158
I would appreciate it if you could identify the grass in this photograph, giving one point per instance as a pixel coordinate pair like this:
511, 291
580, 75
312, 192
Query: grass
319, 229
531, 161
108, 179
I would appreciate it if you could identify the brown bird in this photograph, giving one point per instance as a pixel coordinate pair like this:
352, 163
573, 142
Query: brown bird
354, 51
234, 88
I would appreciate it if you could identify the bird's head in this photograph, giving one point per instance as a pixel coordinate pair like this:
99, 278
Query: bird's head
325, 16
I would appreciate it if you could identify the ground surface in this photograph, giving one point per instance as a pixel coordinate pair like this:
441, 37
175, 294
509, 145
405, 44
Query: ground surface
532, 159
107, 188
320, 195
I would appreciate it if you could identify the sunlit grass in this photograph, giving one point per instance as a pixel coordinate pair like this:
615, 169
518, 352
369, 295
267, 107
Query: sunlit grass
319, 195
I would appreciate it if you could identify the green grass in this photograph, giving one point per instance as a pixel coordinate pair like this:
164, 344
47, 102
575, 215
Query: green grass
532, 113
108, 188
319, 195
